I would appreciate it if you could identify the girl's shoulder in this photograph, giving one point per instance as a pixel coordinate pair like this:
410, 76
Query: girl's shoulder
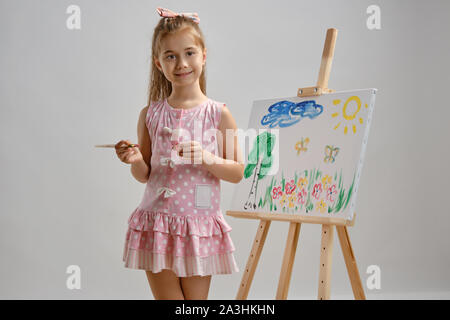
155, 105
153, 109
217, 103
215, 109
222, 109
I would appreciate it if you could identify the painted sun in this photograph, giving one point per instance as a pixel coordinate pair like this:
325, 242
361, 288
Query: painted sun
350, 110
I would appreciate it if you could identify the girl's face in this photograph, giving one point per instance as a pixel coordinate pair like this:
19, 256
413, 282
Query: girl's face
180, 59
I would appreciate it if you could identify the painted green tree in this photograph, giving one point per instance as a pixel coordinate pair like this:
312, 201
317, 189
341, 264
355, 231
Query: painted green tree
260, 161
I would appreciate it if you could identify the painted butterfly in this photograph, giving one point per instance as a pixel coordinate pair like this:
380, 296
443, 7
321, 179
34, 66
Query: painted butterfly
301, 145
331, 153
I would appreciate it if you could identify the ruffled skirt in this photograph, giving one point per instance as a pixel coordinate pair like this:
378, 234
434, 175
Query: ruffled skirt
188, 245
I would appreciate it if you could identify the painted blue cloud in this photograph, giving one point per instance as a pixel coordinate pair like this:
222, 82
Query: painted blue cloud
286, 113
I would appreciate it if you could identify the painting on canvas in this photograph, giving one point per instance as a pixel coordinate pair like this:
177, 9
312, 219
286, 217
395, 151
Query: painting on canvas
304, 155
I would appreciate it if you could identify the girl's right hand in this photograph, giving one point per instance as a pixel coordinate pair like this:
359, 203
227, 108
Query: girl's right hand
128, 154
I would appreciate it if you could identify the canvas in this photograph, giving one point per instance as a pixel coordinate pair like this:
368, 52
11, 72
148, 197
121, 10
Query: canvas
304, 155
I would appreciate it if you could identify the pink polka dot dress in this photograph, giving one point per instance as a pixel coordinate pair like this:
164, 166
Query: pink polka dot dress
179, 224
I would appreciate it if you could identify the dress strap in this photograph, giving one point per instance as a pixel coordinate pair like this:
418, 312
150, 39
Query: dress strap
152, 108
218, 107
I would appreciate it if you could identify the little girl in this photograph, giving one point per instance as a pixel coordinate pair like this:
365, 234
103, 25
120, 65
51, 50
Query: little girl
178, 234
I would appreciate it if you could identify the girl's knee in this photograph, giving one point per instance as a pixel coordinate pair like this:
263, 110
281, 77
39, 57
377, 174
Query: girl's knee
195, 287
165, 285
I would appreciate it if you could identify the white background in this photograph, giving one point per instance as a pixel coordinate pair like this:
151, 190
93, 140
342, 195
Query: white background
63, 91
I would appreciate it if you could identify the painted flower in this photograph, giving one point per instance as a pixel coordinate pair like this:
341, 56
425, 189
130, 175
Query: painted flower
289, 187
321, 206
302, 183
331, 192
317, 190
283, 200
326, 180
301, 196
276, 192
292, 198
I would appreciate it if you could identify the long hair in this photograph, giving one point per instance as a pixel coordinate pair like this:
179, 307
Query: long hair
159, 87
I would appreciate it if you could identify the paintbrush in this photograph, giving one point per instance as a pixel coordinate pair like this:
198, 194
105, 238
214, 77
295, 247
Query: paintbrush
113, 146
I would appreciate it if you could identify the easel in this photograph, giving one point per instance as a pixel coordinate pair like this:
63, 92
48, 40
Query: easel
295, 222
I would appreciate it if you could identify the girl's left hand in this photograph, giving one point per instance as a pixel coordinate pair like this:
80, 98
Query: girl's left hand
190, 151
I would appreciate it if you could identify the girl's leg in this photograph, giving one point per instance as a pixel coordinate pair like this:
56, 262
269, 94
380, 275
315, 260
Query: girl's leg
165, 285
195, 287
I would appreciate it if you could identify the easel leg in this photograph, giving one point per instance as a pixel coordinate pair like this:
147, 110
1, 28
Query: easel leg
326, 254
288, 261
253, 259
350, 262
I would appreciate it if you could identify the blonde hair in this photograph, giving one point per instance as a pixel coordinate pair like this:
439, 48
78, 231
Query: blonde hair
159, 87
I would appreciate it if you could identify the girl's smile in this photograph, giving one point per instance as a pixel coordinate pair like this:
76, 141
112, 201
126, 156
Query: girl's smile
183, 74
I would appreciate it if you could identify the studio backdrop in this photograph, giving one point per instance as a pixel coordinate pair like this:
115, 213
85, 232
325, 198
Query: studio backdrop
76, 73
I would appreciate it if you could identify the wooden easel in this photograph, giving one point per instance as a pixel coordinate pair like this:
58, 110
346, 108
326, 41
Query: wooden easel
295, 222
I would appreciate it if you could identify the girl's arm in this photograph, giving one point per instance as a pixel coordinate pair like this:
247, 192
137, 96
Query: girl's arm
231, 167
141, 169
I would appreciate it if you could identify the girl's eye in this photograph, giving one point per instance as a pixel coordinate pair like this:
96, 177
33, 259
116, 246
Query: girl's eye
190, 53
